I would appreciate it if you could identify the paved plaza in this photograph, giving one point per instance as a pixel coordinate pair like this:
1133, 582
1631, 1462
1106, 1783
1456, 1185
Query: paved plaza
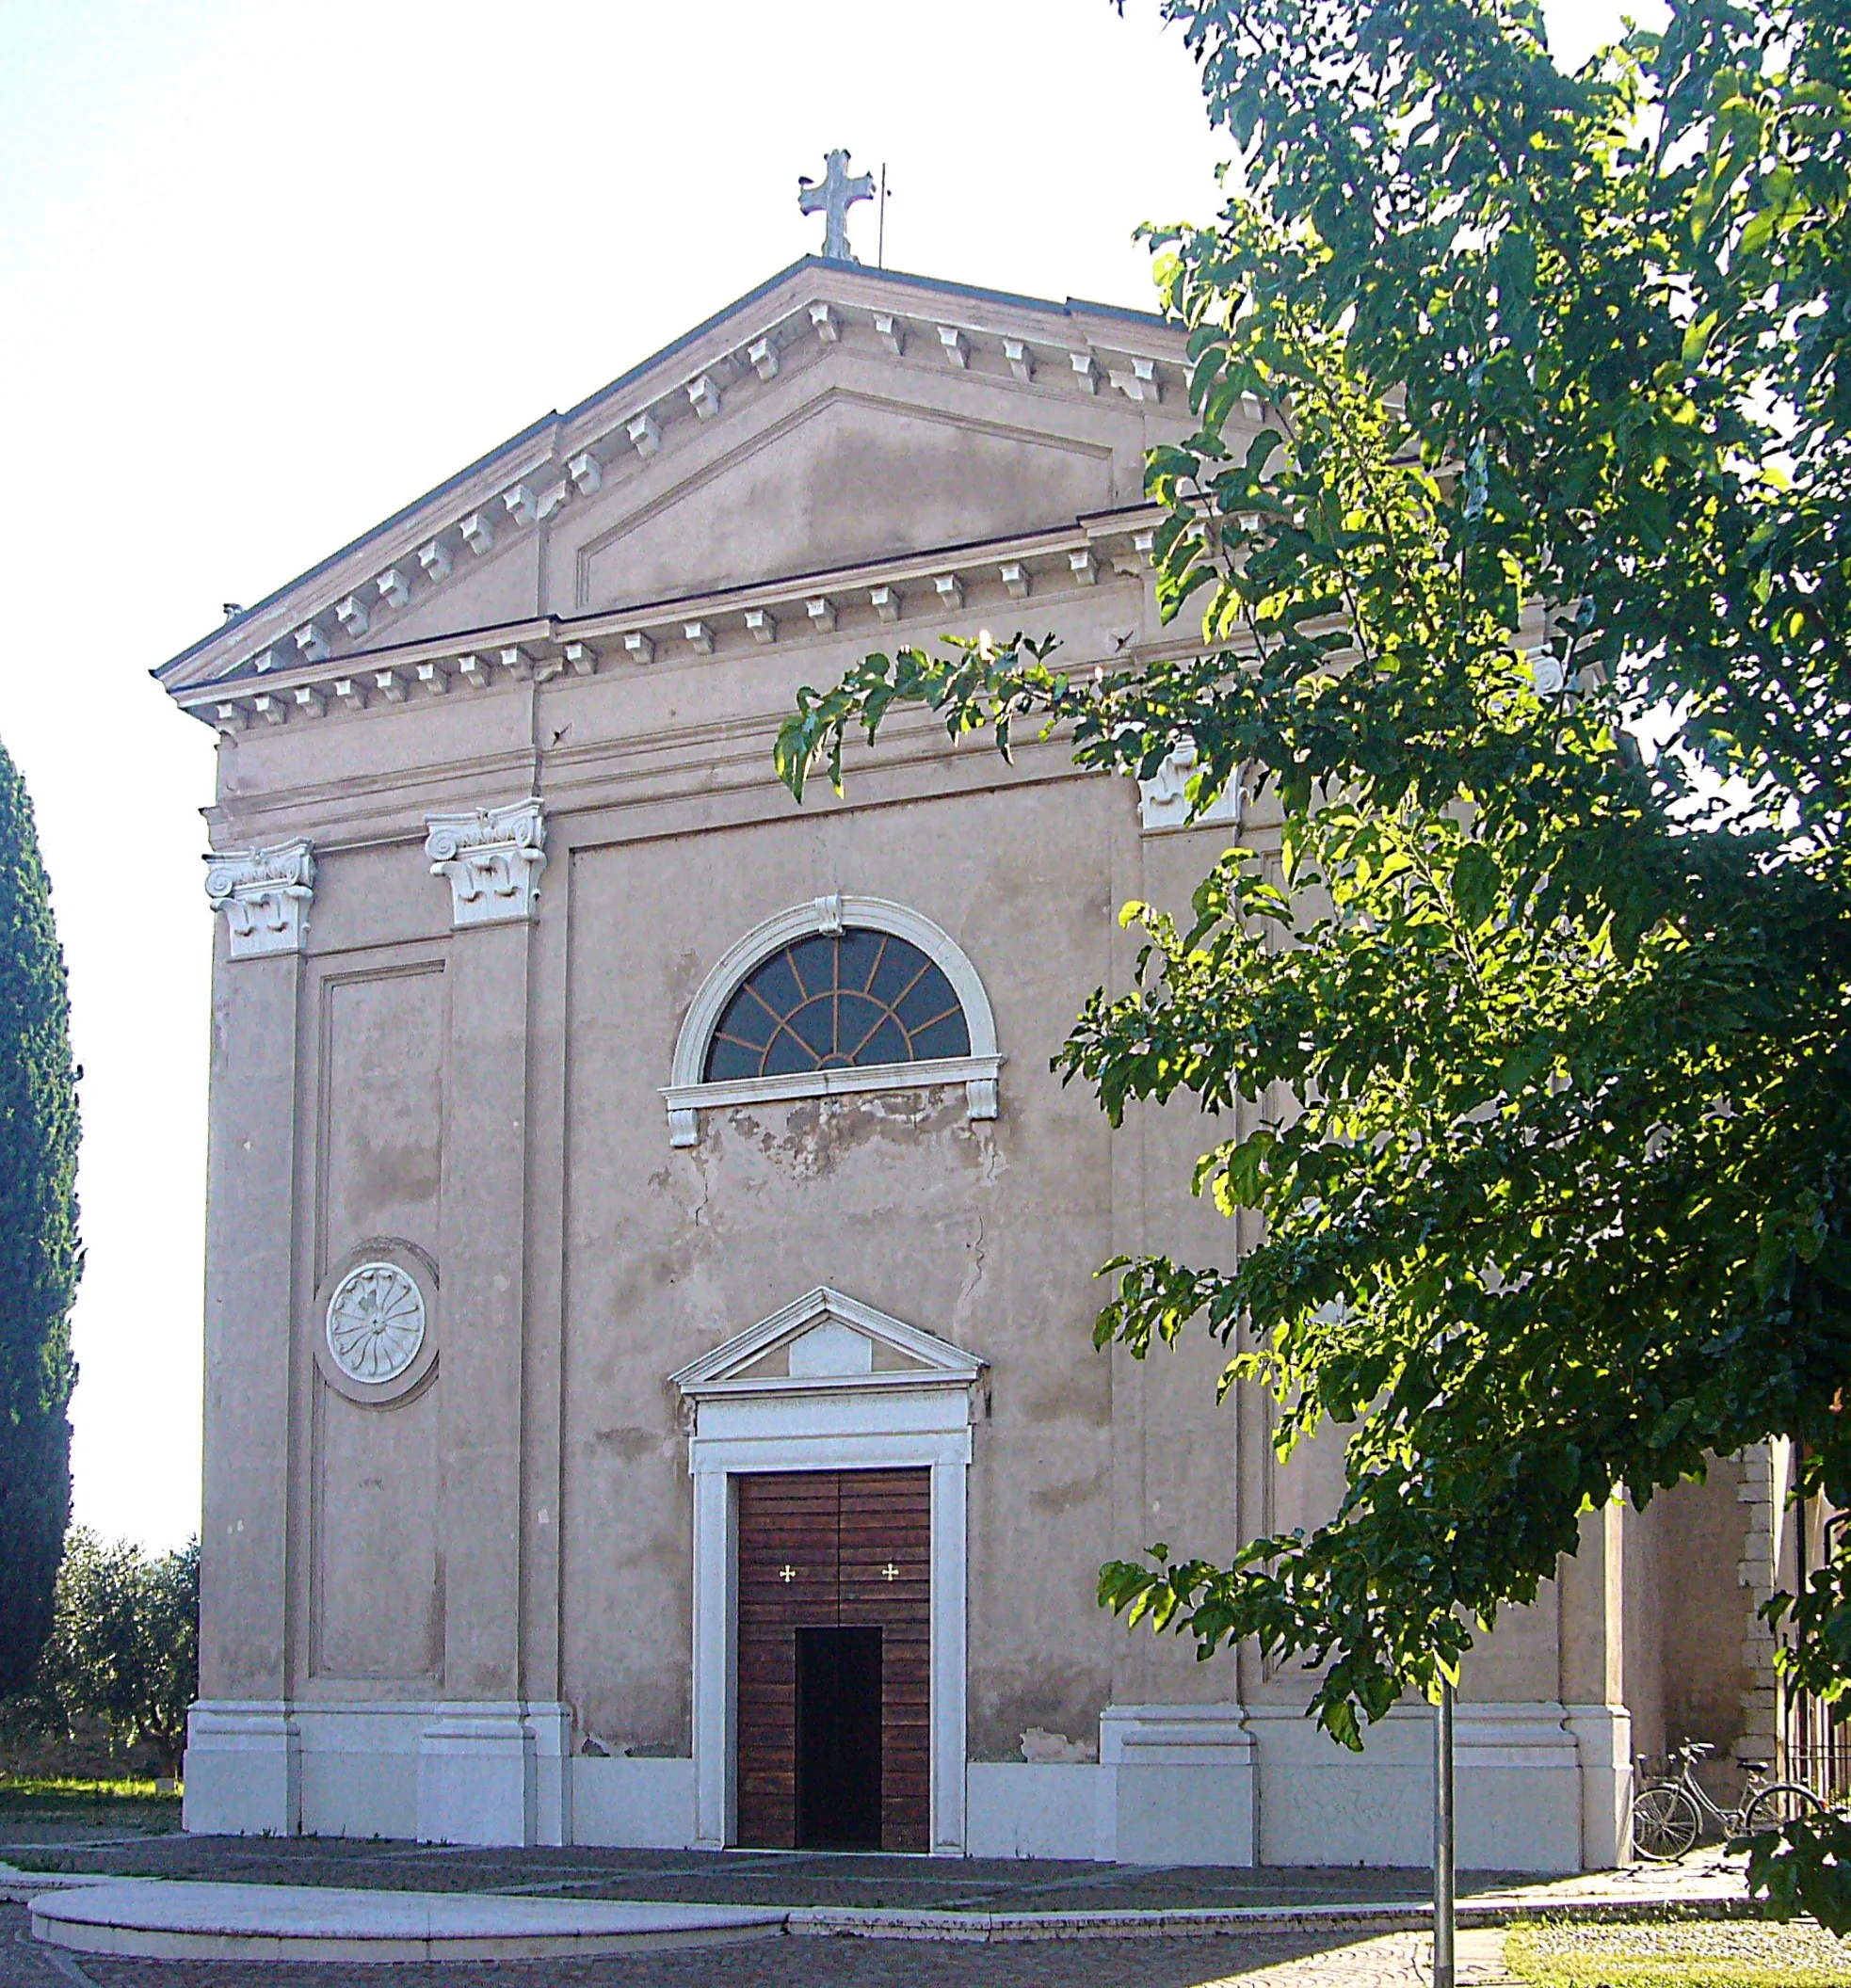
1253, 1961
732, 1878
60, 1846
1320, 1952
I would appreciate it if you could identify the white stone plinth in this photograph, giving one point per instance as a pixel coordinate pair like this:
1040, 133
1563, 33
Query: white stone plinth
1033, 1809
1176, 1785
1602, 1734
622, 1804
478, 1779
1517, 1773
243, 1771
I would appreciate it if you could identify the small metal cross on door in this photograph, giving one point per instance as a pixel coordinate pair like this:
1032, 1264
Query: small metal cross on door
832, 196
787, 1573
890, 1572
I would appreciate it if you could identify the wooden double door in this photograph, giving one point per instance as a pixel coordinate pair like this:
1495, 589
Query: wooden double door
834, 1707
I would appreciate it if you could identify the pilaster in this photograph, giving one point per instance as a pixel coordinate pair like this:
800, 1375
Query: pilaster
1591, 1658
477, 1768
251, 1168
543, 1359
1760, 1491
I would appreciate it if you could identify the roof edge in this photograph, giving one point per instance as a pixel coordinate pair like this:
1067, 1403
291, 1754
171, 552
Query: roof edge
1070, 307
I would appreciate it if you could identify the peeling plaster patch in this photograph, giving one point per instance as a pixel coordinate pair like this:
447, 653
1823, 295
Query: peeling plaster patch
682, 979
991, 1163
605, 1716
703, 1164
815, 1136
1041, 1747
1044, 1697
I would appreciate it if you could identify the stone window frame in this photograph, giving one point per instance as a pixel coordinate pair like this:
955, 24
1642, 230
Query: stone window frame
688, 1093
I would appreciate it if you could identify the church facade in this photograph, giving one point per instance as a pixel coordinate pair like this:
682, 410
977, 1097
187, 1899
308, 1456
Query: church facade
650, 1391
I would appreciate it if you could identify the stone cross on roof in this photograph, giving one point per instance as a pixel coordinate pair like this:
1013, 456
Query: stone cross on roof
833, 195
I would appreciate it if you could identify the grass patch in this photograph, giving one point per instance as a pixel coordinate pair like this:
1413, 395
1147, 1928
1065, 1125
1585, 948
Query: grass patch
34, 1803
1728, 1953
63, 1790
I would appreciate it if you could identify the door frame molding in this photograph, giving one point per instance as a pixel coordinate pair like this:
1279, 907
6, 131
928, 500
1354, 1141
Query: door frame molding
905, 1417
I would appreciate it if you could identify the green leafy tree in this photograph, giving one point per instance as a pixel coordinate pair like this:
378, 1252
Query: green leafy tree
1529, 601
124, 1645
40, 1256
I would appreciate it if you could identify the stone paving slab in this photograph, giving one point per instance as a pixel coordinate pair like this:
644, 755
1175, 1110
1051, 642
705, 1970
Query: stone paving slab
163, 1920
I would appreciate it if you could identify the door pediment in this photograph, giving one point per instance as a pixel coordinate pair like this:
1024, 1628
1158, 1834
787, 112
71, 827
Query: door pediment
828, 1343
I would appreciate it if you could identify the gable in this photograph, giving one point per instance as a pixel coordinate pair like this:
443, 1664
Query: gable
834, 418
848, 477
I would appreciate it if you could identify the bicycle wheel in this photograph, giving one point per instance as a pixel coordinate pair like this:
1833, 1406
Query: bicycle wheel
1778, 1803
1665, 1822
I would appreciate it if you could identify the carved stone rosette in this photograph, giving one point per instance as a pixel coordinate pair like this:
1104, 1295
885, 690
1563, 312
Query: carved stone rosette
375, 1322
265, 894
494, 857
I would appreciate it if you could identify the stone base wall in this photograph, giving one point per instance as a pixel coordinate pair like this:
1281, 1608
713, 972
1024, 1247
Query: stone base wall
1542, 1787
433, 1772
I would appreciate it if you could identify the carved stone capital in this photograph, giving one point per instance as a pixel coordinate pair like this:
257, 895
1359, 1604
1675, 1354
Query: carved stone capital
1163, 801
265, 894
494, 857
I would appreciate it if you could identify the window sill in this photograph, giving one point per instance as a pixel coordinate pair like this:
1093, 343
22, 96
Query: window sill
977, 1074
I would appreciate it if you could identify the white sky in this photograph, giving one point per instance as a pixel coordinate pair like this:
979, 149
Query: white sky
270, 271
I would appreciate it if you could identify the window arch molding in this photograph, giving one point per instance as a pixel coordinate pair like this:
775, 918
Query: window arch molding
688, 1091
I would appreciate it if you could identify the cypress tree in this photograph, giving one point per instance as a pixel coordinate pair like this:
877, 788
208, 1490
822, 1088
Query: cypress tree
41, 1257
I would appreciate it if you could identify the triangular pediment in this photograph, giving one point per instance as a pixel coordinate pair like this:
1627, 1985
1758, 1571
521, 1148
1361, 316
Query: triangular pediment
823, 1342
854, 471
834, 418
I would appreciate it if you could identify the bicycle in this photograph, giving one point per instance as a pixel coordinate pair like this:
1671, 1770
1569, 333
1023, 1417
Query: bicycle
1669, 1813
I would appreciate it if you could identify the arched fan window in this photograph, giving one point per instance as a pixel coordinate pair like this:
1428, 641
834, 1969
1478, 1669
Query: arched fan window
840, 996
849, 1000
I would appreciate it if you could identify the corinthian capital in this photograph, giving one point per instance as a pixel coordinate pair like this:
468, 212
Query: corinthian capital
494, 857
265, 894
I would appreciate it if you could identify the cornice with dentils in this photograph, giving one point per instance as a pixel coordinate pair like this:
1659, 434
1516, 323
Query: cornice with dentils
338, 610
910, 598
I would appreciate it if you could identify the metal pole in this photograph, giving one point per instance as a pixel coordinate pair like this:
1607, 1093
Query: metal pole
1445, 1847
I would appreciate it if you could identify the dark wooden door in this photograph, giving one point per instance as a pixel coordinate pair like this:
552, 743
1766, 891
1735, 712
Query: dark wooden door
884, 1577
827, 1550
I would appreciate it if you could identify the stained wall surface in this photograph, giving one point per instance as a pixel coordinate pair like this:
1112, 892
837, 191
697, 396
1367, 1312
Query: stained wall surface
483, 1094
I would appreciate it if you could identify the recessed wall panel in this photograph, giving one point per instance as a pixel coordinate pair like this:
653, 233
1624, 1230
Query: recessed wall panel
377, 1591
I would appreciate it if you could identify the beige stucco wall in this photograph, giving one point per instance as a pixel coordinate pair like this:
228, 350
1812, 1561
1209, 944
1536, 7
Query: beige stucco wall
521, 1529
